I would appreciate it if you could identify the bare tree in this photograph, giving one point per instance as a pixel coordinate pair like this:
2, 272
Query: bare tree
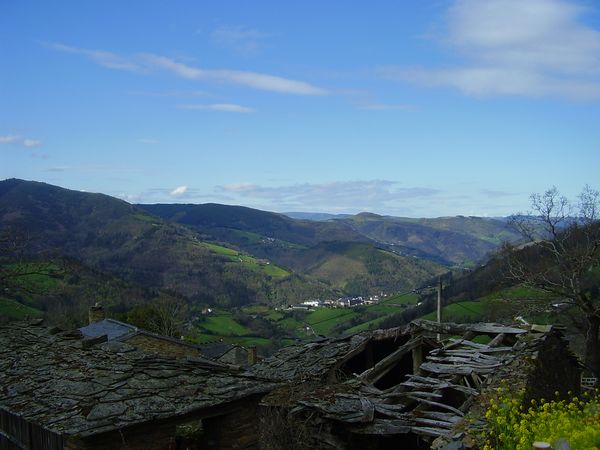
17, 263
563, 256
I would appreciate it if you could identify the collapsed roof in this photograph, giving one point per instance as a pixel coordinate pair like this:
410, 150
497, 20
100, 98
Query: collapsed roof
395, 381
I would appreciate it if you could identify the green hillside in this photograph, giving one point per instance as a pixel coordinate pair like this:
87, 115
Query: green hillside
330, 251
113, 236
460, 240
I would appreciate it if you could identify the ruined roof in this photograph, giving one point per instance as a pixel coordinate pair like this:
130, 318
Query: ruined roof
113, 329
316, 359
53, 381
427, 400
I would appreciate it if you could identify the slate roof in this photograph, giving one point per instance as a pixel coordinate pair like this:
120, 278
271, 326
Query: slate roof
319, 357
53, 381
113, 329
215, 350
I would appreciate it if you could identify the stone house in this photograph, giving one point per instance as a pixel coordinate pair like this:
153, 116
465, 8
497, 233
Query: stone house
60, 390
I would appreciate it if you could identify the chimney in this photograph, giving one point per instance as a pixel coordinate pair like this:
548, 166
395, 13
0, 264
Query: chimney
252, 356
96, 313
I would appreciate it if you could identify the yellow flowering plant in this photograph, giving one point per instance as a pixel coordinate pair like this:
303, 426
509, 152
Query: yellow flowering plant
512, 425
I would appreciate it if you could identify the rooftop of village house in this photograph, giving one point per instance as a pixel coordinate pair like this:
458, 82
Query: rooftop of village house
400, 380
381, 382
63, 382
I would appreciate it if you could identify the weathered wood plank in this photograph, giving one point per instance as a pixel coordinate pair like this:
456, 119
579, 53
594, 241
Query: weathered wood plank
435, 423
446, 417
379, 370
456, 328
428, 431
439, 405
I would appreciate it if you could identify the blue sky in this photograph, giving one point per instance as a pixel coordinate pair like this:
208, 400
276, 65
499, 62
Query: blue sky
406, 108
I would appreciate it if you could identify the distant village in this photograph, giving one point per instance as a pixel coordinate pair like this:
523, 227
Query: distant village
342, 302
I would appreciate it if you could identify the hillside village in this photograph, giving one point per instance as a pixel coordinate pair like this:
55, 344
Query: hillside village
278, 225
157, 393
378, 370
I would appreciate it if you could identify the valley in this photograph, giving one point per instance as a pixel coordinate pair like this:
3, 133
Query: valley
251, 269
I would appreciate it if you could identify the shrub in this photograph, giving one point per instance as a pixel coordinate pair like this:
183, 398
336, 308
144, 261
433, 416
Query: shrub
513, 425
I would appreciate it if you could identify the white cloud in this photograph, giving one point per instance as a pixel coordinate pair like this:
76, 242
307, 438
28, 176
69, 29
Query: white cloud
130, 198
146, 62
148, 141
242, 40
101, 57
261, 81
20, 140
179, 191
225, 107
10, 139
515, 47
360, 195
32, 142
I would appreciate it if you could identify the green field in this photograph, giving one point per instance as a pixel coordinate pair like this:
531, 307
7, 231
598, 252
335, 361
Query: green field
247, 260
322, 320
461, 311
499, 305
224, 325
15, 310
36, 276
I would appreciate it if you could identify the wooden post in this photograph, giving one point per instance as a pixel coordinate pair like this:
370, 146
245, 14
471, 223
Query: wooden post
417, 359
252, 356
439, 304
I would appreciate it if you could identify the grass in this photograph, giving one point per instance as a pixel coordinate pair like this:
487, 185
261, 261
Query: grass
247, 260
223, 325
323, 320
371, 324
41, 281
401, 299
220, 250
15, 310
461, 311
519, 293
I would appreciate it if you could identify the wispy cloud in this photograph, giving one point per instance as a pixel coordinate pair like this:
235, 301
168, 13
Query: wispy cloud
178, 191
360, 195
224, 107
58, 168
92, 168
255, 80
148, 141
176, 94
492, 193
10, 139
101, 57
514, 47
16, 139
242, 40
32, 142
147, 61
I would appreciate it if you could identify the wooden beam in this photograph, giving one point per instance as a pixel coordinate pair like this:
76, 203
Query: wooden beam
459, 328
380, 369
